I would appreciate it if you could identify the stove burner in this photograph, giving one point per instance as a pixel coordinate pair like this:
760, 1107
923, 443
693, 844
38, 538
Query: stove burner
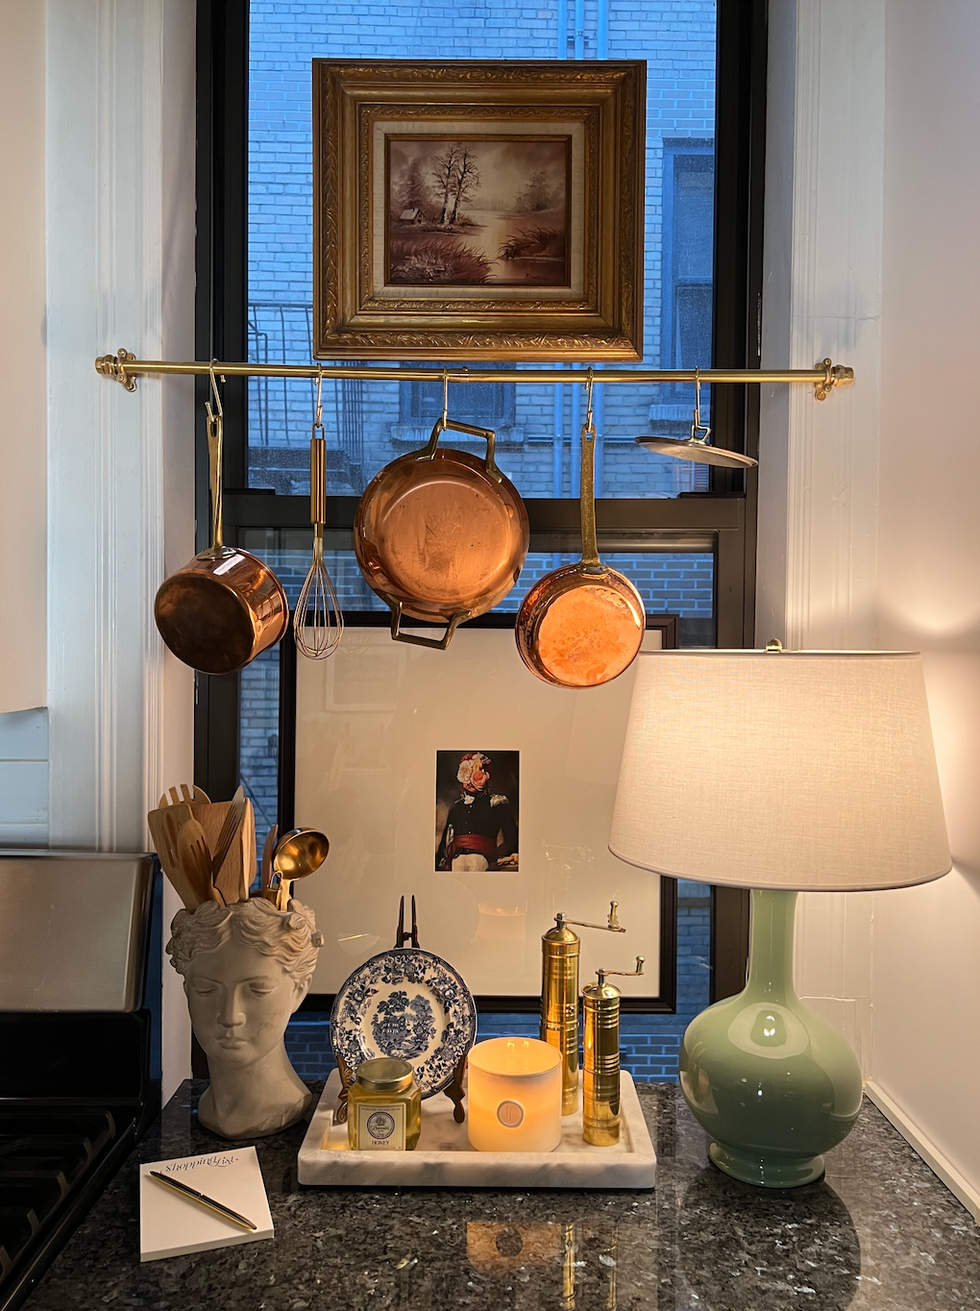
45, 1154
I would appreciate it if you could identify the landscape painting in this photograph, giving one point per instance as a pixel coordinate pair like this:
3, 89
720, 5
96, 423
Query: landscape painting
476, 211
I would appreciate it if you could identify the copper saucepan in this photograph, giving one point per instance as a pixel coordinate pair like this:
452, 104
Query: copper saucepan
218, 612
441, 535
581, 625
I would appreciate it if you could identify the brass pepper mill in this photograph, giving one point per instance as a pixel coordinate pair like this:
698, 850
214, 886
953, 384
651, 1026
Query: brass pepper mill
559, 996
600, 1074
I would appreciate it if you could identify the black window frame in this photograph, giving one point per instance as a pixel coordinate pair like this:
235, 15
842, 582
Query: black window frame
725, 513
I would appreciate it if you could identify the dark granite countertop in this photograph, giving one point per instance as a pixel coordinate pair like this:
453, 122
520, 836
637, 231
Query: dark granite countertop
880, 1232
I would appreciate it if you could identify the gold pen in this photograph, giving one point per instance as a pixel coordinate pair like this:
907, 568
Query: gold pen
219, 1209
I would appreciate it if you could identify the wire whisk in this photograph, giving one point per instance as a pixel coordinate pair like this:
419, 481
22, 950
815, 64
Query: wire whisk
318, 622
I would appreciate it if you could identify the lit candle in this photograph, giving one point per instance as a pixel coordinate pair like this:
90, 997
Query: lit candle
513, 1102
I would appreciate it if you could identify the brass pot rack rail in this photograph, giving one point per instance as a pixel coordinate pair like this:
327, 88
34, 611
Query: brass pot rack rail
124, 367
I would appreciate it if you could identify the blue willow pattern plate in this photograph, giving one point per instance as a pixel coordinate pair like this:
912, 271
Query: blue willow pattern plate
406, 1003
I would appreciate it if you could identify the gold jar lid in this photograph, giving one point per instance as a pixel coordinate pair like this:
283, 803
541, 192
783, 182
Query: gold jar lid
385, 1074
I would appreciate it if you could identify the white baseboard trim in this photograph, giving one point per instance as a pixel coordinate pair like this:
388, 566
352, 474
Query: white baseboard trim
933, 1157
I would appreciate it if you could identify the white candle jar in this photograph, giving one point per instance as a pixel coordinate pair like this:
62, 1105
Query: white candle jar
513, 1101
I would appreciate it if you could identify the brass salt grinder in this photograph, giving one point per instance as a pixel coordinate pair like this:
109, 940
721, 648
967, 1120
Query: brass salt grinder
560, 949
600, 1064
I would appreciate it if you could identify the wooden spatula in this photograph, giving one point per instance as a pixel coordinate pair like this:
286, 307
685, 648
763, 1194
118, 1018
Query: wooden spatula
183, 793
165, 843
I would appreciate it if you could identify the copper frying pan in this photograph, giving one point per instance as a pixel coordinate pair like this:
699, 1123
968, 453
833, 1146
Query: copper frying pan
441, 535
218, 612
581, 625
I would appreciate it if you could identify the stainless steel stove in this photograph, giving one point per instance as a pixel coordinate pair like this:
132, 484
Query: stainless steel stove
78, 1083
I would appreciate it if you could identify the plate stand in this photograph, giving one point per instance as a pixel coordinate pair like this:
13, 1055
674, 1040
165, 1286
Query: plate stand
453, 1090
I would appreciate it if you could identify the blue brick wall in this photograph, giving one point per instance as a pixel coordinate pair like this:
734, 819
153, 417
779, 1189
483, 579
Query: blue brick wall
675, 37
650, 1044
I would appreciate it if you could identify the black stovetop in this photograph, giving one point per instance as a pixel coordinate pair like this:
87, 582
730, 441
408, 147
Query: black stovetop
58, 1153
46, 1154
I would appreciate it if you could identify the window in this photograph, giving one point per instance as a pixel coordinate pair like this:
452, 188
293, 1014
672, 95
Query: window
689, 187
484, 404
683, 532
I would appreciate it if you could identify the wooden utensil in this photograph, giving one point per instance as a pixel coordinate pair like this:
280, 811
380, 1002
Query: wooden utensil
229, 829
195, 857
165, 843
186, 794
238, 869
267, 850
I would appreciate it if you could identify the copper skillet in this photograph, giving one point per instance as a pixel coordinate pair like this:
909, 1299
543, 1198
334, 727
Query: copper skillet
441, 535
581, 625
218, 612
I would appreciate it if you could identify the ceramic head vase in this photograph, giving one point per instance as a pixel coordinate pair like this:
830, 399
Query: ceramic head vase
246, 968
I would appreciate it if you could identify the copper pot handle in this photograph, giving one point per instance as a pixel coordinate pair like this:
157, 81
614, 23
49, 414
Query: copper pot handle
215, 427
590, 543
216, 433
454, 425
435, 643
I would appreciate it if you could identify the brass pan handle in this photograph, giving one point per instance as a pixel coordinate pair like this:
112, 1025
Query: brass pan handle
435, 643
454, 425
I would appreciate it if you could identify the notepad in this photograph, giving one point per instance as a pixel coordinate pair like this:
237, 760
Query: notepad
171, 1225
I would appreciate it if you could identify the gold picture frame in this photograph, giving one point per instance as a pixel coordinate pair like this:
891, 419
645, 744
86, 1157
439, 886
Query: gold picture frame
478, 210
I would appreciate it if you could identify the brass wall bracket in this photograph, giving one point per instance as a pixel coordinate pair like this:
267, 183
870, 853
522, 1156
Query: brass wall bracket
124, 367
114, 366
835, 375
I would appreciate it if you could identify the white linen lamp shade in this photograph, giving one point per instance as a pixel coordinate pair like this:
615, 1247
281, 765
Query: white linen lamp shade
777, 771
810, 770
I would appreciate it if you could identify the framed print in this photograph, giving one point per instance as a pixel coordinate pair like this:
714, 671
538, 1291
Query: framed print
459, 778
478, 211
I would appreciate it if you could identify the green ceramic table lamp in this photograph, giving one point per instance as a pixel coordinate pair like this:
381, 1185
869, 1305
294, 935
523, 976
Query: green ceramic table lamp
780, 772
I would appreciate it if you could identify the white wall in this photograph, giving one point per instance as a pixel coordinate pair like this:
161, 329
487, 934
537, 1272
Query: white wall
870, 530
120, 233
926, 962
23, 478
818, 467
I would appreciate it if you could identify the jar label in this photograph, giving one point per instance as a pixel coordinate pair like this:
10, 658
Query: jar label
381, 1128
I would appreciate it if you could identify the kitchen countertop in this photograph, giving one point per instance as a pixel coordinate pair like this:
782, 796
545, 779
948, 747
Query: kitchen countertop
881, 1232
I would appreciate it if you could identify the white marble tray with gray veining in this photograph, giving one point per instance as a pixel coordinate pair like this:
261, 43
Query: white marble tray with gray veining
444, 1158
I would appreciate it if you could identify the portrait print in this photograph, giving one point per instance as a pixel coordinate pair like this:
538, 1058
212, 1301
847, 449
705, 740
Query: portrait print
477, 811
474, 210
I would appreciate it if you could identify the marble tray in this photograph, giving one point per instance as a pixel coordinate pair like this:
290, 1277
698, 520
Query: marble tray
444, 1158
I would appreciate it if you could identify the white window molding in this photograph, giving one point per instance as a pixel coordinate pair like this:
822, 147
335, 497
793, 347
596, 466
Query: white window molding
120, 137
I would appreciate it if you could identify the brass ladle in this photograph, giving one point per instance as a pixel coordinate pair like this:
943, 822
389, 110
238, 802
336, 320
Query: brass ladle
299, 853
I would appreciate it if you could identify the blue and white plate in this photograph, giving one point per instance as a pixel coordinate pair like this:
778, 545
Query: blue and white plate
410, 1004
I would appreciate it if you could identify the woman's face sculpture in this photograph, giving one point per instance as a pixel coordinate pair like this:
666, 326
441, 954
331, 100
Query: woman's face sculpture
240, 1002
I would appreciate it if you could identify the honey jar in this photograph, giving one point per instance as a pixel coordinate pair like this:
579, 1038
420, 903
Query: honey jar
384, 1107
